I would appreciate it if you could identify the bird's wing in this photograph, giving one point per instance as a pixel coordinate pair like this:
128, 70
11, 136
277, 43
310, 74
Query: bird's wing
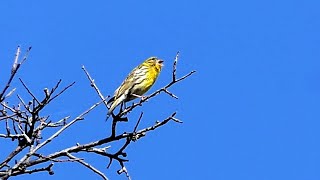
127, 84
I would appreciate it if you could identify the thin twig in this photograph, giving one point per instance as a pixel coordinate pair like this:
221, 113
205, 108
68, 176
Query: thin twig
78, 148
15, 61
163, 89
56, 86
48, 168
93, 84
25, 86
170, 93
26, 55
174, 69
11, 155
62, 91
7, 116
24, 104
10, 93
80, 117
11, 136
88, 166
136, 126
14, 71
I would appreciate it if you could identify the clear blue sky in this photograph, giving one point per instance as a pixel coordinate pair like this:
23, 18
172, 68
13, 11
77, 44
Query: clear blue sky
251, 111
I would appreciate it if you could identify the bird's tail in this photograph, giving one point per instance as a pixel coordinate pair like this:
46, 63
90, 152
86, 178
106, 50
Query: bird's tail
115, 103
110, 101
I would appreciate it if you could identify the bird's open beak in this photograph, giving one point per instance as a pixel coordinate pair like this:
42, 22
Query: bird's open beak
160, 62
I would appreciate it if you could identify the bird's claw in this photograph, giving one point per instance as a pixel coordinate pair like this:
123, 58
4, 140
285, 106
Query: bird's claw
143, 98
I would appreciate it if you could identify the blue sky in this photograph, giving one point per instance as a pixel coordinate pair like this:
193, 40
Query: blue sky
250, 112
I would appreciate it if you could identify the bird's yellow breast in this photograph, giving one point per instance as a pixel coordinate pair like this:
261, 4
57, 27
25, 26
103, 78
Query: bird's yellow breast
150, 80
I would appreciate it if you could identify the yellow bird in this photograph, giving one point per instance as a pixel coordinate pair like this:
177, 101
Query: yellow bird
138, 82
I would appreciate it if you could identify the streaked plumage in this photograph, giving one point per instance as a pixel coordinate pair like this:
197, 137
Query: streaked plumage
138, 82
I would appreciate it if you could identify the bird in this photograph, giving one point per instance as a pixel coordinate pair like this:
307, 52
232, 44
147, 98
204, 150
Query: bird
138, 82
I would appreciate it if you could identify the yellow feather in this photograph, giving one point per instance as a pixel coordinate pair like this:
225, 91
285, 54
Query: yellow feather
138, 82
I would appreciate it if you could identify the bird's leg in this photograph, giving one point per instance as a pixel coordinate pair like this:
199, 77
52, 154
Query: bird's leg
138, 96
121, 106
120, 118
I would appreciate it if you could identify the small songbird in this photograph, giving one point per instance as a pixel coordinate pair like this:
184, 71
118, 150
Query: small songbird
138, 82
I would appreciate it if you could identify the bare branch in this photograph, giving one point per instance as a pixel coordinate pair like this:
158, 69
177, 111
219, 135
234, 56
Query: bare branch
80, 117
135, 128
61, 122
26, 55
24, 104
7, 127
11, 155
124, 170
48, 168
10, 93
174, 69
11, 136
56, 86
28, 90
159, 124
62, 91
88, 166
24, 134
164, 89
184, 77
26, 124
8, 107
170, 93
15, 61
7, 116
14, 70
93, 84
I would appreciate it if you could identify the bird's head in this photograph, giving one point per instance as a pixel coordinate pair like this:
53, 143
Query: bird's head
154, 62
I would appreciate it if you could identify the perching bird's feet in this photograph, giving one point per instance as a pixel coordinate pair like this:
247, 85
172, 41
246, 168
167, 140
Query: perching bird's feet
142, 97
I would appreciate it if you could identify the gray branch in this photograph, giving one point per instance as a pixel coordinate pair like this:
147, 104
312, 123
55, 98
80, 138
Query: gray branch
24, 125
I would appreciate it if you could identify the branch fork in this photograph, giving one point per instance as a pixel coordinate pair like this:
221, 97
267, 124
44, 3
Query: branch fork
24, 124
